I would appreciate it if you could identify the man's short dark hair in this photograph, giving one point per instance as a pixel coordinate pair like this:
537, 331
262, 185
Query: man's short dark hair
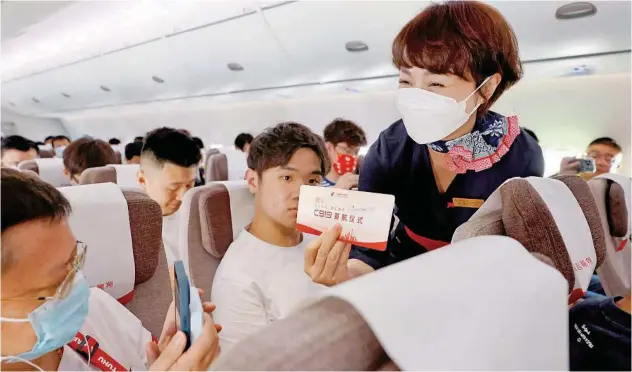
87, 153
17, 143
170, 145
242, 139
48, 138
607, 141
114, 141
27, 198
276, 145
133, 149
341, 130
139, 139
60, 138
198, 142
532, 134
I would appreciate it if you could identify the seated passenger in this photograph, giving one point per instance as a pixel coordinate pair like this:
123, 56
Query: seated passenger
49, 141
344, 139
86, 153
132, 152
449, 152
59, 145
139, 139
114, 141
168, 169
16, 149
243, 141
46, 302
607, 155
260, 279
600, 334
200, 180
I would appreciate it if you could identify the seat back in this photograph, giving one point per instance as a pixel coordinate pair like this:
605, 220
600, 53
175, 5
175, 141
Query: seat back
237, 166
369, 326
612, 195
118, 157
216, 168
546, 217
123, 175
211, 217
50, 170
123, 232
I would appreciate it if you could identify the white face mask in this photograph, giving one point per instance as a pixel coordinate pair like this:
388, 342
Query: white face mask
430, 117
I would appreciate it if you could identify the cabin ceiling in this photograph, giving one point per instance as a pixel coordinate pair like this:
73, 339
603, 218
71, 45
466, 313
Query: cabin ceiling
72, 56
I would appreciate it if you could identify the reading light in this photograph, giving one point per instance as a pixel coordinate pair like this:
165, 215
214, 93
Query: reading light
35, 100
65, 95
356, 46
157, 79
235, 66
104, 88
575, 10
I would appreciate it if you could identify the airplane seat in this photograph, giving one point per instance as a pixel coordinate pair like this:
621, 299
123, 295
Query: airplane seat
46, 154
211, 217
612, 195
216, 168
236, 162
118, 157
30, 173
548, 219
122, 229
368, 326
124, 175
211, 152
49, 170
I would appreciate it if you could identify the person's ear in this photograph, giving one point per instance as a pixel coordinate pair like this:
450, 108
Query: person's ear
142, 180
331, 151
67, 174
488, 89
252, 179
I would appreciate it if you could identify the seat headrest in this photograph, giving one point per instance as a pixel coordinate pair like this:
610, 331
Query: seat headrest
216, 168
377, 321
546, 218
612, 198
46, 154
124, 175
118, 157
50, 170
123, 232
94, 175
211, 152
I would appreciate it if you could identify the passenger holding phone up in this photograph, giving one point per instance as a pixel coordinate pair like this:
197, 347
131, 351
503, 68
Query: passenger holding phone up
449, 152
603, 155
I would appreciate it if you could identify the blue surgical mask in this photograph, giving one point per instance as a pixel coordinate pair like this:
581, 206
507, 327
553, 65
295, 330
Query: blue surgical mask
56, 321
59, 151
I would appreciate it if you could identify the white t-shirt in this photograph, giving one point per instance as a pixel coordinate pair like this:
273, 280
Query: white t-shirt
170, 237
257, 283
118, 332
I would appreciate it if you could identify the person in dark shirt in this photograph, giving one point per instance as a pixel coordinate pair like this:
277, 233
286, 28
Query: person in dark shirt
599, 335
449, 152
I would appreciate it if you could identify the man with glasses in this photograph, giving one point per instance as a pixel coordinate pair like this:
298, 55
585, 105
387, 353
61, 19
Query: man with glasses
51, 320
343, 139
607, 155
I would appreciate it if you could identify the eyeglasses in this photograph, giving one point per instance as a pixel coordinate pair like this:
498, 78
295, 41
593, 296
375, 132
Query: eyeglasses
610, 159
66, 285
347, 150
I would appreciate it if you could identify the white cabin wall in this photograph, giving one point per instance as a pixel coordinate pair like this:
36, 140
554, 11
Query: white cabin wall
35, 129
566, 114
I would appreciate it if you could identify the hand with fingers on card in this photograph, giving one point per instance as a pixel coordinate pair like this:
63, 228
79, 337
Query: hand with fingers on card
326, 258
169, 355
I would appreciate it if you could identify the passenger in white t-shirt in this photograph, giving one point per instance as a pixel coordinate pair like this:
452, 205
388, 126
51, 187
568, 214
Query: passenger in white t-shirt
47, 307
261, 278
168, 169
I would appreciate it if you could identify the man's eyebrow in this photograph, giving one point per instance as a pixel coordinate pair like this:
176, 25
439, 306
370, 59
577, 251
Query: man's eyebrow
287, 167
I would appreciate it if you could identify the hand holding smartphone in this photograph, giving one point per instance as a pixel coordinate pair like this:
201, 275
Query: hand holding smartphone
189, 312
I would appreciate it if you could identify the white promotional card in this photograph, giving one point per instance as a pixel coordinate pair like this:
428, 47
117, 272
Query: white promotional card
365, 217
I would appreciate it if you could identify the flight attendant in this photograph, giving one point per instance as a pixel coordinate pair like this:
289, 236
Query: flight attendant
449, 152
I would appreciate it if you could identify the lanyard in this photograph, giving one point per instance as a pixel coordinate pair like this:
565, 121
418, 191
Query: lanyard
88, 347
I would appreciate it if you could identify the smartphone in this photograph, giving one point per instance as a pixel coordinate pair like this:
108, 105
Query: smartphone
587, 165
182, 300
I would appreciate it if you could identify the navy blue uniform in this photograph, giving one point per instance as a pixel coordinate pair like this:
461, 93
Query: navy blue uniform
599, 336
397, 165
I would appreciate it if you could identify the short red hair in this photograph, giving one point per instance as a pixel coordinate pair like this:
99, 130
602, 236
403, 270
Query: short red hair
469, 39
